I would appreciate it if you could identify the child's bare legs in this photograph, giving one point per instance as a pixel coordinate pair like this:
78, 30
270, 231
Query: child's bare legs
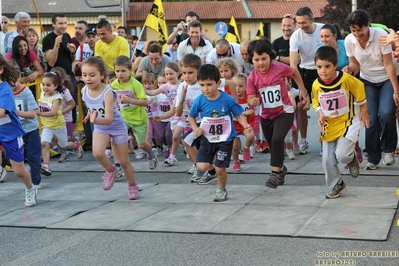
236, 149
222, 176
121, 152
249, 137
176, 140
22, 173
71, 146
100, 142
46, 152
191, 151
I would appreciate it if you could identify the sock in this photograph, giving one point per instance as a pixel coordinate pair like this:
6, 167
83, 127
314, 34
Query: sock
46, 164
132, 184
224, 189
172, 155
151, 154
274, 172
212, 172
303, 140
111, 169
76, 146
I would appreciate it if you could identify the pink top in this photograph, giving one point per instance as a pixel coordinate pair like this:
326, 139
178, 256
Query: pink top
271, 89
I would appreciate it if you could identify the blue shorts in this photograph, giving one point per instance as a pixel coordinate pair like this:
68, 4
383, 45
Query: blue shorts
14, 150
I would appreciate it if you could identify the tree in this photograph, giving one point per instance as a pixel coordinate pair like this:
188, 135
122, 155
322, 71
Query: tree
382, 11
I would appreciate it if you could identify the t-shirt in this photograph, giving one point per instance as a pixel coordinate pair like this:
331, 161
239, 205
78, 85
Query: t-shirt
339, 101
64, 59
109, 51
25, 101
67, 97
146, 65
281, 46
27, 69
222, 108
45, 105
82, 54
10, 126
271, 89
133, 114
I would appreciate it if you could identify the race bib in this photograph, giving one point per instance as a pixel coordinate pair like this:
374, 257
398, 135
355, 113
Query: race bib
244, 106
96, 107
20, 107
45, 107
271, 97
164, 106
216, 129
334, 103
128, 93
152, 110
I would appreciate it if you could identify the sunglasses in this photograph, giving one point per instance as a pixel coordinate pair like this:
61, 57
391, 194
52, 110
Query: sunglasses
4, 22
288, 16
223, 55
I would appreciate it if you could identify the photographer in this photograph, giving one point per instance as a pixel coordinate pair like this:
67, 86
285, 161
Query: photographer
180, 34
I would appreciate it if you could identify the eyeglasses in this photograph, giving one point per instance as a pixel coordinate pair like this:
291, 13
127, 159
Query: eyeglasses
222, 55
288, 16
4, 22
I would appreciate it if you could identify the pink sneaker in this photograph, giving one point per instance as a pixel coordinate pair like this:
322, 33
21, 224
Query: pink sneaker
133, 192
247, 154
236, 167
109, 179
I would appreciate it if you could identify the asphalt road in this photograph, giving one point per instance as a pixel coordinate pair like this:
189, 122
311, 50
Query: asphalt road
30, 246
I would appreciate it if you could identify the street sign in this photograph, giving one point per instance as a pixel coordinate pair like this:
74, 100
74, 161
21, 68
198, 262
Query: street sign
221, 28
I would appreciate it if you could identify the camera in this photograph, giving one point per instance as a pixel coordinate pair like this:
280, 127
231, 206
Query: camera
185, 25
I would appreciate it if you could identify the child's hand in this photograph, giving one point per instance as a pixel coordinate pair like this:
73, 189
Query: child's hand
198, 132
321, 122
184, 92
93, 116
157, 119
125, 99
254, 102
248, 112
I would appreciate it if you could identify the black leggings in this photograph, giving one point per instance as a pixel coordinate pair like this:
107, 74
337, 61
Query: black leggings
275, 131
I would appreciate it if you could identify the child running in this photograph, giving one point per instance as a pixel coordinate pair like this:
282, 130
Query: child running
132, 102
340, 101
54, 126
108, 122
11, 132
26, 110
216, 129
266, 86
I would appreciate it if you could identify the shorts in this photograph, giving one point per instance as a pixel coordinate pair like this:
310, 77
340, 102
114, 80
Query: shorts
308, 77
173, 124
117, 139
14, 149
60, 134
222, 150
139, 132
152, 131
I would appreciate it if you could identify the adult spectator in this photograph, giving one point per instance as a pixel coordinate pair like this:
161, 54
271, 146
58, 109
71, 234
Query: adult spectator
81, 27
85, 50
153, 63
109, 46
140, 57
26, 59
172, 51
5, 23
380, 76
33, 41
195, 44
330, 35
247, 66
225, 49
303, 44
122, 31
282, 44
22, 21
181, 32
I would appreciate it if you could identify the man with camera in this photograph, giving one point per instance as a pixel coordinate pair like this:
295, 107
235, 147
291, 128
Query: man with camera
180, 34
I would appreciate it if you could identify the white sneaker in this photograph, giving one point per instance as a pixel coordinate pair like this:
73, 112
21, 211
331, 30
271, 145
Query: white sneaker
389, 158
153, 162
139, 154
30, 197
3, 175
371, 166
170, 160
191, 170
252, 151
304, 148
290, 154
79, 153
108, 152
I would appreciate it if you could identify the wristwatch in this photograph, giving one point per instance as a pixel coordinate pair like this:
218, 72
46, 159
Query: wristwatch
278, 58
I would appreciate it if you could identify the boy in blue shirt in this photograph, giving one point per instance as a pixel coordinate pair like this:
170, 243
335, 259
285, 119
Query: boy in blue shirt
216, 129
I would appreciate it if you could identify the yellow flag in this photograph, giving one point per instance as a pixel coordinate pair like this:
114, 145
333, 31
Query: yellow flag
232, 32
260, 32
156, 21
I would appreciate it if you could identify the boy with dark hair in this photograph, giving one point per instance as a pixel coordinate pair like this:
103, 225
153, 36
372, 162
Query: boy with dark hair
340, 101
216, 129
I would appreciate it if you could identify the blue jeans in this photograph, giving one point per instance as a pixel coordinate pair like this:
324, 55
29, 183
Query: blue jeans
382, 134
33, 151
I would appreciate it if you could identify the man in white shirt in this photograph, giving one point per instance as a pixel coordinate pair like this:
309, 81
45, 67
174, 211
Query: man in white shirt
225, 49
85, 50
22, 21
195, 44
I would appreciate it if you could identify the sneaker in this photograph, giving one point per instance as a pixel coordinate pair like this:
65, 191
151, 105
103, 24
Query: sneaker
153, 162
221, 195
191, 170
120, 170
133, 192
246, 154
258, 146
159, 150
63, 158
166, 152
197, 175
139, 154
38, 186
290, 154
371, 166
30, 197
207, 179
354, 166
281, 175
265, 147
321, 152
295, 149
252, 151
45, 170
170, 160
337, 191
236, 167
389, 158
304, 148
79, 152
108, 152
273, 181
109, 179
3, 175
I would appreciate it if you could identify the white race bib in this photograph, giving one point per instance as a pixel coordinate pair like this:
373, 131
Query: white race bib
96, 107
20, 106
45, 107
271, 96
216, 129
